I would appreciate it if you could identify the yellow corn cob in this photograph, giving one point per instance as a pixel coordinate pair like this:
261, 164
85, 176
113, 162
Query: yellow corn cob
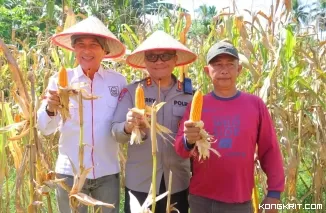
63, 78
140, 97
63, 93
196, 106
17, 118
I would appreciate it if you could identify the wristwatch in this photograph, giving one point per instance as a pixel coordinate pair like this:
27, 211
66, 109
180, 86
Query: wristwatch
48, 112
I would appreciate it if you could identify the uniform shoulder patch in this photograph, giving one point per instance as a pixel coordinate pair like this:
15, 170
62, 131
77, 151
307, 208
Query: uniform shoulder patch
138, 81
122, 93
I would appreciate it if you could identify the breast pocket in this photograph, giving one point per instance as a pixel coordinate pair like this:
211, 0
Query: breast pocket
177, 112
103, 109
111, 107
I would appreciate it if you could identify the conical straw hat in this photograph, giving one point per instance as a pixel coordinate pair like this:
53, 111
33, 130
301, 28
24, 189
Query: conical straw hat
90, 26
160, 40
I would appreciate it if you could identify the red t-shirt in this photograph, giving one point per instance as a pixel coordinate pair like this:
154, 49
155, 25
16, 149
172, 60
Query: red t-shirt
237, 124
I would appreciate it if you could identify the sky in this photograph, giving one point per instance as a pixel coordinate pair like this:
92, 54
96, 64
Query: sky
252, 5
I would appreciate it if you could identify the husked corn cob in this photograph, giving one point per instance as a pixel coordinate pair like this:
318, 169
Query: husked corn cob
63, 93
63, 78
136, 135
140, 97
204, 144
17, 118
196, 106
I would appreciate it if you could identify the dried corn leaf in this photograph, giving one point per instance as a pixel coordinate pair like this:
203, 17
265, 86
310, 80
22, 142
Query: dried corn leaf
72, 91
79, 181
135, 206
11, 127
89, 201
24, 133
204, 144
136, 135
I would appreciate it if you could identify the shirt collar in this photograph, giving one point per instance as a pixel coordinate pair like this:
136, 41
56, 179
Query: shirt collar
150, 82
79, 71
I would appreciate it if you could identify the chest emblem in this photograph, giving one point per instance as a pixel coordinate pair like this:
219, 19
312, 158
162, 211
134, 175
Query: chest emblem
114, 90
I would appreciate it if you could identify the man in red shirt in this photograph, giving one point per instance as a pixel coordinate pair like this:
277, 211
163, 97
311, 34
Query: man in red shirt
238, 121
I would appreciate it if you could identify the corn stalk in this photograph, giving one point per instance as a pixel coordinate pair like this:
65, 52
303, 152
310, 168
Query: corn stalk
154, 150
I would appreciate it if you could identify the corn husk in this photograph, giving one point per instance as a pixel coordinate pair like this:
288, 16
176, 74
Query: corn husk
204, 144
137, 134
136, 207
76, 197
72, 91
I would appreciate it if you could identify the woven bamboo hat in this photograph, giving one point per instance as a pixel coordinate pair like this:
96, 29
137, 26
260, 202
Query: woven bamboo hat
160, 40
94, 27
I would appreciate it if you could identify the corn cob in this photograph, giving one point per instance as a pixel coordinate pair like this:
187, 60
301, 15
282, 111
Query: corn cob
196, 106
63, 78
17, 118
204, 144
140, 98
136, 135
63, 93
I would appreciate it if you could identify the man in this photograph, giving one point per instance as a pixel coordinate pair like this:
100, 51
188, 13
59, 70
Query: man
91, 41
238, 121
159, 54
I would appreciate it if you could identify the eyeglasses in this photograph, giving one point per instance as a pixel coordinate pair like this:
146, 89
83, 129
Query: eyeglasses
164, 57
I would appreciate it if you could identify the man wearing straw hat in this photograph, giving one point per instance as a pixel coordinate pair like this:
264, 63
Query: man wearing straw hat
239, 122
91, 41
159, 54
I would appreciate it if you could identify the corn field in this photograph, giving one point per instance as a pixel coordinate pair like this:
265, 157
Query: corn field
283, 65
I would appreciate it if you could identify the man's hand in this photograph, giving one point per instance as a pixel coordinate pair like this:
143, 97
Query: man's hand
191, 132
269, 200
53, 101
133, 119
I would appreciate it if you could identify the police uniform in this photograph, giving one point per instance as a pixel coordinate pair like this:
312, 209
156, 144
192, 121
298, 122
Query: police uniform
139, 158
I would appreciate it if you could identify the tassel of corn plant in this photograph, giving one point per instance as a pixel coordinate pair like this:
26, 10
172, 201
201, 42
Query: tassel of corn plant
136, 134
204, 144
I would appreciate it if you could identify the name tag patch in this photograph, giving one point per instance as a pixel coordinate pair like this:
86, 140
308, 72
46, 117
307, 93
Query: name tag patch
180, 103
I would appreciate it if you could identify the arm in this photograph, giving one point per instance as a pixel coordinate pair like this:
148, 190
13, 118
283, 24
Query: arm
269, 154
124, 104
45, 123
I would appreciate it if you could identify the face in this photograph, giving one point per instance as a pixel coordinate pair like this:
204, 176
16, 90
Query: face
160, 68
223, 71
89, 53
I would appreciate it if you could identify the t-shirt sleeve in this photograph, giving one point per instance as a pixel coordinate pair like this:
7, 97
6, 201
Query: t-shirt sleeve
269, 152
